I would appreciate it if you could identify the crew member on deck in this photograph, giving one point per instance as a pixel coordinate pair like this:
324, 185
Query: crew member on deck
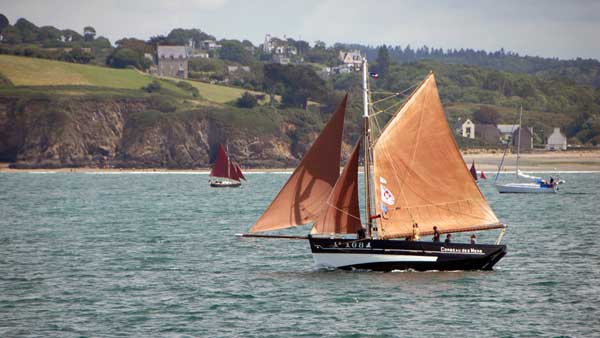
473, 239
436, 235
416, 236
448, 238
361, 233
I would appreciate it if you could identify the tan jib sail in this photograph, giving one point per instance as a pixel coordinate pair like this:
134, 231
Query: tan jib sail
420, 176
341, 214
303, 195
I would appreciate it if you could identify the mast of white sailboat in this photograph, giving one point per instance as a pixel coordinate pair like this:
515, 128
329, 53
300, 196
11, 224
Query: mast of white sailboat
367, 149
519, 140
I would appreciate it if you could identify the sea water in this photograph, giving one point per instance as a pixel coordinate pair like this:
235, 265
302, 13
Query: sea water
143, 255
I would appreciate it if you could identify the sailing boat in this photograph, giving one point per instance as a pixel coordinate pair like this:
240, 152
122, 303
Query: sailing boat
419, 180
225, 173
473, 171
539, 187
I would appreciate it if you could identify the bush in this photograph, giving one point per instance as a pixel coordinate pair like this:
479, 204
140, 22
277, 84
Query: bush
164, 104
247, 100
124, 57
152, 87
188, 87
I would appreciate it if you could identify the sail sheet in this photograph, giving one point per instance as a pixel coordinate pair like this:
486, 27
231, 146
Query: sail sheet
220, 167
341, 214
420, 175
302, 197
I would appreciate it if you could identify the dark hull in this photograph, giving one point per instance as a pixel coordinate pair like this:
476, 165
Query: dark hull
388, 255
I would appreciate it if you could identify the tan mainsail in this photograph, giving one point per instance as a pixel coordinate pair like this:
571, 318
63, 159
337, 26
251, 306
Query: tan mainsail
341, 214
304, 194
420, 176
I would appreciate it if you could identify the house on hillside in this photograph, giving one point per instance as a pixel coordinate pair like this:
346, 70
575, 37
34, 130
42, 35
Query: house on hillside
281, 59
506, 131
353, 59
172, 61
468, 129
487, 133
342, 69
556, 141
526, 138
209, 45
235, 69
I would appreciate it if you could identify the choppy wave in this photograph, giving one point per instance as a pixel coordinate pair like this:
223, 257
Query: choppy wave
139, 255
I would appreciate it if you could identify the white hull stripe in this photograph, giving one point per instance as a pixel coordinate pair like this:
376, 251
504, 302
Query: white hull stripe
409, 250
341, 259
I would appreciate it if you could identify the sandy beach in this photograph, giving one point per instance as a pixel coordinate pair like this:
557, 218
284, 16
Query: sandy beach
486, 161
538, 161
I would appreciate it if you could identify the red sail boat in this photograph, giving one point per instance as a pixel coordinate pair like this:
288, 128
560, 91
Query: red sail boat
473, 171
225, 173
421, 187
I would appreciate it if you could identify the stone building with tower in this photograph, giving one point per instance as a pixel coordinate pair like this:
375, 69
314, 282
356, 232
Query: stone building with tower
172, 61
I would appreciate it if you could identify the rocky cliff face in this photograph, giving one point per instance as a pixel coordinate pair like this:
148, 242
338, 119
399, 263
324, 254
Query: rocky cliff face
47, 133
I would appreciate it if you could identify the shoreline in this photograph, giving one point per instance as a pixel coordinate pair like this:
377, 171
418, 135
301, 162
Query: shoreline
533, 162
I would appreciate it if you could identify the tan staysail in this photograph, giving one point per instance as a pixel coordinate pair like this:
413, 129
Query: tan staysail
303, 195
420, 176
341, 214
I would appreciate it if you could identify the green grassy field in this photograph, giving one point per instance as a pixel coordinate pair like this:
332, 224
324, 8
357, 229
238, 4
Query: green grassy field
32, 72
217, 93
25, 71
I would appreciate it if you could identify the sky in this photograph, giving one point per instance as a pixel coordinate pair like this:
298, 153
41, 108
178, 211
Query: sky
551, 28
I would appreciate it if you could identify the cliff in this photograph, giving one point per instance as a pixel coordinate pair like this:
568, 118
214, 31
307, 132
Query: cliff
45, 132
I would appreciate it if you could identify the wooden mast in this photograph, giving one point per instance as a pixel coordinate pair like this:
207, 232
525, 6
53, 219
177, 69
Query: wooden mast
367, 150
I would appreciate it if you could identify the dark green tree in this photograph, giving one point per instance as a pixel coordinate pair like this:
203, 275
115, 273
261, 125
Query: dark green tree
11, 35
297, 84
486, 115
233, 50
3, 22
136, 44
89, 33
383, 61
124, 57
101, 42
180, 36
27, 30
49, 34
247, 100
302, 46
71, 35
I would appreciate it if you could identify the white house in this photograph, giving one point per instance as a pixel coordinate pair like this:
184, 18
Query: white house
210, 45
281, 59
468, 129
556, 141
353, 58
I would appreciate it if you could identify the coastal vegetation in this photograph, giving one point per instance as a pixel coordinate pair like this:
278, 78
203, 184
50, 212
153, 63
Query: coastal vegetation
239, 90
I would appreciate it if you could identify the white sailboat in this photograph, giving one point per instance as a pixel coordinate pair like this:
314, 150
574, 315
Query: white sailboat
534, 185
